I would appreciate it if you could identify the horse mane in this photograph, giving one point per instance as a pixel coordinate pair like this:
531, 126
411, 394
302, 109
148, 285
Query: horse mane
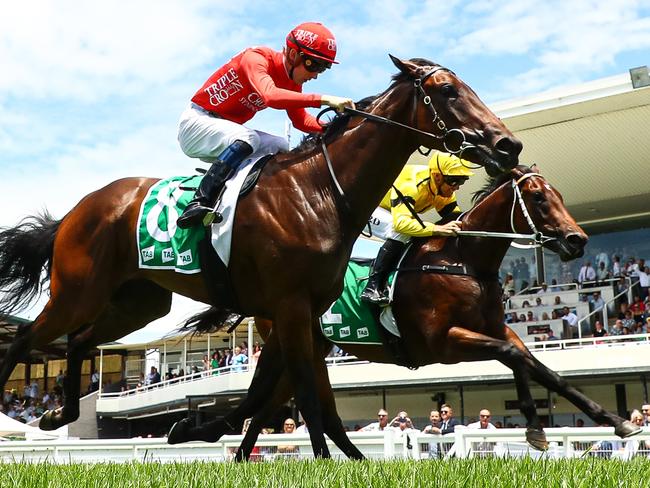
495, 182
339, 123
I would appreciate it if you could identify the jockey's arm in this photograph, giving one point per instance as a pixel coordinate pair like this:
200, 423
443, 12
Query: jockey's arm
405, 222
304, 121
256, 69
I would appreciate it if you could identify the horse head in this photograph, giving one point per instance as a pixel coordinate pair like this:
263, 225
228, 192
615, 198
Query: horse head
458, 121
550, 218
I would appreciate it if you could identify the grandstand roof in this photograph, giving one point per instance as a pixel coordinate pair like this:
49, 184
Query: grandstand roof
592, 142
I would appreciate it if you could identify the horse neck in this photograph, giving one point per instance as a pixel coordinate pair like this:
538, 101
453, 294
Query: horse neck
368, 157
492, 214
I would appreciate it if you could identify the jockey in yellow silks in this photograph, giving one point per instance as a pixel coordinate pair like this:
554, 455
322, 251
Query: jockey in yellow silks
418, 188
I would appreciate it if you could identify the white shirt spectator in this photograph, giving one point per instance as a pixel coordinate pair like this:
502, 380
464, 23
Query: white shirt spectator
587, 273
477, 425
571, 318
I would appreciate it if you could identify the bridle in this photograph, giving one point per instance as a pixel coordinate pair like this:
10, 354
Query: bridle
536, 236
436, 120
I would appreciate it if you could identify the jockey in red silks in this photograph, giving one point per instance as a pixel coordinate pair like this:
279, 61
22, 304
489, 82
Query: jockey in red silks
211, 127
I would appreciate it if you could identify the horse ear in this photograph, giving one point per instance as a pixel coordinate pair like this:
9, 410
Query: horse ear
405, 67
535, 169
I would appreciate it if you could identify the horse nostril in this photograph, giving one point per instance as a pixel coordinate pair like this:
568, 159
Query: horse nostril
577, 241
510, 146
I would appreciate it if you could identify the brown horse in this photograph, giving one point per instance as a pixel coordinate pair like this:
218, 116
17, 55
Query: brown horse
450, 318
292, 237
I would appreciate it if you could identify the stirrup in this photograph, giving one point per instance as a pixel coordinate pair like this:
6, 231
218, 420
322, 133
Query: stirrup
212, 217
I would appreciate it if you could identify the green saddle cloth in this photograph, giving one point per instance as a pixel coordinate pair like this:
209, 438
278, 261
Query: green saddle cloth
161, 244
349, 320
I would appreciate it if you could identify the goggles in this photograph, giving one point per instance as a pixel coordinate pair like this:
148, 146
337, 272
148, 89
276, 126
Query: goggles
454, 180
314, 65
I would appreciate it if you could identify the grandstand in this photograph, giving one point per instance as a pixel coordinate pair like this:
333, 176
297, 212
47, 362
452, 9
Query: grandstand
572, 134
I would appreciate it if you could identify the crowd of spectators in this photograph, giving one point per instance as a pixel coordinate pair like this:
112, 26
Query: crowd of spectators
31, 403
629, 317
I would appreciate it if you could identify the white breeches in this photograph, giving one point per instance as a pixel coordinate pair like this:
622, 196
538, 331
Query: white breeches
203, 135
381, 225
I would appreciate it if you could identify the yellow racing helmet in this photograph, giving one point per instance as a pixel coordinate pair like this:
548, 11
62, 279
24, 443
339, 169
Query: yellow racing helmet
449, 165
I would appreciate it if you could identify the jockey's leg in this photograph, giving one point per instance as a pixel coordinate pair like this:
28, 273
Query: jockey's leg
376, 290
206, 194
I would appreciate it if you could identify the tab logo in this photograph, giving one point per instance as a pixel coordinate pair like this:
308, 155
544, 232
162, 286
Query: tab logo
344, 331
362, 332
168, 255
184, 258
328, 331
147, 254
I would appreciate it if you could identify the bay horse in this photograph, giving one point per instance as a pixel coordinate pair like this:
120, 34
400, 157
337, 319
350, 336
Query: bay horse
451, 318
292, 237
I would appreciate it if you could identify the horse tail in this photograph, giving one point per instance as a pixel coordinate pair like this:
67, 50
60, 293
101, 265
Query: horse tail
24, 252
209, 320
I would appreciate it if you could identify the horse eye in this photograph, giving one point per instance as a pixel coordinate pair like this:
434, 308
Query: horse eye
538, 196
449, 91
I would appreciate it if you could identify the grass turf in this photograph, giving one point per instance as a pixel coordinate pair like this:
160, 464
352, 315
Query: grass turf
587, 473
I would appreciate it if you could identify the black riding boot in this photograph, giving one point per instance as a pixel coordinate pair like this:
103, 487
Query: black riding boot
211, 184
376, 290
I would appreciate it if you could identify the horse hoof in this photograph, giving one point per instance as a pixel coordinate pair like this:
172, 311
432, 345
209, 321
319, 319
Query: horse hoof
179, 432
537, 439
627, 429
52, 419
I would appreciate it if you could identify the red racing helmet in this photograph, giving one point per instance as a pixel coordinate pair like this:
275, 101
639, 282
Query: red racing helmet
313, 39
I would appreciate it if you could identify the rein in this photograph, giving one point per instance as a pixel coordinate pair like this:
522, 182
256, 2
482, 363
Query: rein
436, 120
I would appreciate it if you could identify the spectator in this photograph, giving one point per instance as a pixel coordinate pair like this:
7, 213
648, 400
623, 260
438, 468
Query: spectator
257, 350
434, 429
637, 308
538, 302
628, 321
94, 381
551, 336
554, 286
596, 304
616, 267
599, 330
153, 377
587, 275
239, 360
401, 422
525, 304
448, 423
530, 317
381, 424
482, 449
522, 317
483, 422
543, 289
206, 363
571, 321
617, 328
289, 427
645, 410
509, 285
602, 274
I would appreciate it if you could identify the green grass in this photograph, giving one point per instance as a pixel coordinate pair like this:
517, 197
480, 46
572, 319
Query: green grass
587, 473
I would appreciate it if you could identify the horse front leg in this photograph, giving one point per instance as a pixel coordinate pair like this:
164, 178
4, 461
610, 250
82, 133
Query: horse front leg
267, 374
554, 382
293, 324
467, 345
